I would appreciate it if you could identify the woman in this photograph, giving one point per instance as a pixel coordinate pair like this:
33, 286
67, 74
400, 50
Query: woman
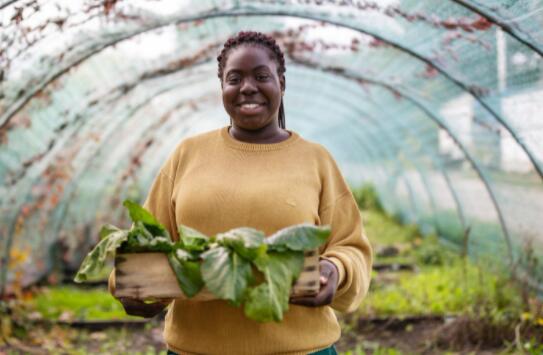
256, 173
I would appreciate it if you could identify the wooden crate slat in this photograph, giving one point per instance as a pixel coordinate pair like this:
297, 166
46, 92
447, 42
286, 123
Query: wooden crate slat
149, 276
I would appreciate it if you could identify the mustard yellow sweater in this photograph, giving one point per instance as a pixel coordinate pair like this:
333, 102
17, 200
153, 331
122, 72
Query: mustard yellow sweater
214, 183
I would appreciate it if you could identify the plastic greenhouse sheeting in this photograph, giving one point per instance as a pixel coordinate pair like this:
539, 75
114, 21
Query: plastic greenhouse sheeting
436, 103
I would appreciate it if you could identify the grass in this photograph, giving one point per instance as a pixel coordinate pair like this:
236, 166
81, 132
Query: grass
442, 290
445, 282
383, 230
75, 303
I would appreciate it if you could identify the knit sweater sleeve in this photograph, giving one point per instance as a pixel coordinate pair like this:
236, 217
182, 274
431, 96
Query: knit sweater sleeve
348, 247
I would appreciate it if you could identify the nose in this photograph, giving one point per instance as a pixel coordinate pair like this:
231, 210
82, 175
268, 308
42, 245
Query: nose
248, 87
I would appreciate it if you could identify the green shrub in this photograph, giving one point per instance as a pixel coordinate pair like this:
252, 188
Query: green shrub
367, 198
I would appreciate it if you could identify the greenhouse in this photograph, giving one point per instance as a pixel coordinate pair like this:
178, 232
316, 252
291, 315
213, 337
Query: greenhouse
431, 105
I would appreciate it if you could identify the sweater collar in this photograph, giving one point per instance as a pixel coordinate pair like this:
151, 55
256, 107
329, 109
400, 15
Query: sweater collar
257, 147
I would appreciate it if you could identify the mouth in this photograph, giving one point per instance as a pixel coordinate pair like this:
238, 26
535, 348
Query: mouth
250, 107
250, 104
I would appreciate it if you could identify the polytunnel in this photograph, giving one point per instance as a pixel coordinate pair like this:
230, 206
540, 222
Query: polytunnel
435, 103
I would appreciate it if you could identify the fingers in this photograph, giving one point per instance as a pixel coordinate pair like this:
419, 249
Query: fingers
141, 309
328, 284
326, 271
323, 280
323, 298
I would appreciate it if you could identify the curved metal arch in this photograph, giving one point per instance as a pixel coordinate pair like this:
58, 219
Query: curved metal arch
171, 88
5, 258
375, 157
124, 88
422, 58
7, 3
424, 181
498, 22
436, 164
435, 118
82, 169
124, 93
238, 12
73, 189
456, 141
439, 167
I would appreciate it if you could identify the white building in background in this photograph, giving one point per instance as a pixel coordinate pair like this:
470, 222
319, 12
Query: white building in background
524, 110
458, 116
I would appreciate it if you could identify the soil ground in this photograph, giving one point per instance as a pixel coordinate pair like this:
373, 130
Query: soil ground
418, 336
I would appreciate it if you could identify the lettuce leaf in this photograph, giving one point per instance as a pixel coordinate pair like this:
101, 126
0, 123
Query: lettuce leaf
226, 274
94, 262
300, 237
140, 214
187, 272
269, 300
247, 242
193, 240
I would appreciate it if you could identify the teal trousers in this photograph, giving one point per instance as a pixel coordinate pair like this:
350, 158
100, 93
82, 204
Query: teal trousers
328, 351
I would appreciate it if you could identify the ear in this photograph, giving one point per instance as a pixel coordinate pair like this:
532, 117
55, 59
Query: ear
283, 83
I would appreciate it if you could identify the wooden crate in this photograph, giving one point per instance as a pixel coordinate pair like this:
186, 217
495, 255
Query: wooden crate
149, 276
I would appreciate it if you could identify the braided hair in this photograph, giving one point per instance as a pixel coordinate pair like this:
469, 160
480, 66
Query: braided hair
258, 39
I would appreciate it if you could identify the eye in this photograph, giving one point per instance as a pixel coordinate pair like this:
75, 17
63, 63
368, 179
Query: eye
262, 76
232, 79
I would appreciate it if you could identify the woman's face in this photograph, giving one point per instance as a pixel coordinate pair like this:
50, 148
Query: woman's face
251, 87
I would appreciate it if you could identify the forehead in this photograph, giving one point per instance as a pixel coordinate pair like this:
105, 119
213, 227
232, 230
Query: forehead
250, 56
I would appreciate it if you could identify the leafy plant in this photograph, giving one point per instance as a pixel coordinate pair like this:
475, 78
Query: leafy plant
367, 198
223, 263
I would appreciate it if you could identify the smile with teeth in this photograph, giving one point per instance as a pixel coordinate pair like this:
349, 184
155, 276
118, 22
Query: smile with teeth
250, 105
250, 108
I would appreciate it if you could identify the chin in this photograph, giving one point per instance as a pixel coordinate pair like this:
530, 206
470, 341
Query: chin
251, 124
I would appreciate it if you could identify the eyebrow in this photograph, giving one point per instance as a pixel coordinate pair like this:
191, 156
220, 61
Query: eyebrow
235, 70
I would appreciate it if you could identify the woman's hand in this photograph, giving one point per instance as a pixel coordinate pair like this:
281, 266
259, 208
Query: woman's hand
328, 281
135, 307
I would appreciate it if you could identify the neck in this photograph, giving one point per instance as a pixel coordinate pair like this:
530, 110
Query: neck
271, 133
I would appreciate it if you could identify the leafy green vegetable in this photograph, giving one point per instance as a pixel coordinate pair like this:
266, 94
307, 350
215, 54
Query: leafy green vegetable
269, 300
140, 214
187, 272
112, 237
192, 239
226, 274
224, 264
299, 237
247, 242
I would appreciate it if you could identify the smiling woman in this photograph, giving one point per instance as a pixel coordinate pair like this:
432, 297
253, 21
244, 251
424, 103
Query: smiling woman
252, 74
256, 173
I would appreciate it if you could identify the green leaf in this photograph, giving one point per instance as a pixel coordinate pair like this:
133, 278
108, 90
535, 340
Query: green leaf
107, 230
95, 261
247, 242
188, 272
226, 274
269, 300
140, 214
160, 244
299, 237
141, 240
193, 239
